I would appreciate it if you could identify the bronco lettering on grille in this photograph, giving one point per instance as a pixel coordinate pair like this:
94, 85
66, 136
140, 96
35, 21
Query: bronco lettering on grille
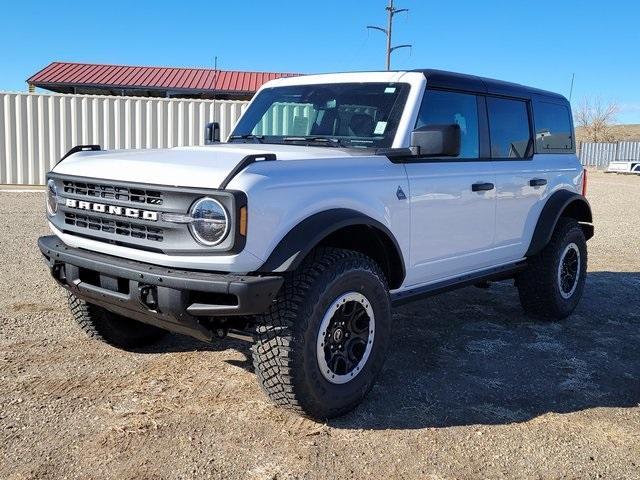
112, 209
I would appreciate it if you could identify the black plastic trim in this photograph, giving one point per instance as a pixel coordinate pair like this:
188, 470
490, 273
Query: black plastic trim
496, 273
296, 244
254, 293
484, 137
80, 148
537, 182
482, 187
244, 163
552, 211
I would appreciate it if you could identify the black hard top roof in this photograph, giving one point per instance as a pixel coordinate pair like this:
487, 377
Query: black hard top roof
472, 83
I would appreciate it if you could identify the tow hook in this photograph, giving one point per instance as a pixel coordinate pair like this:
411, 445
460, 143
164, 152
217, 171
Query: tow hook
225, 332
221, 332
58, 273
149, 296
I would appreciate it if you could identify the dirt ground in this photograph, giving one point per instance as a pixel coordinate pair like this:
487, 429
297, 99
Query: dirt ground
472, 388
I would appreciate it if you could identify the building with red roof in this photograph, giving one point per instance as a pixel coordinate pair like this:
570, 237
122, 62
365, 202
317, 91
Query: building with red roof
94, 79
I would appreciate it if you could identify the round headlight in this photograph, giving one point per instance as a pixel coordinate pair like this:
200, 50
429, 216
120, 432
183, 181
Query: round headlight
52, 197
210, 223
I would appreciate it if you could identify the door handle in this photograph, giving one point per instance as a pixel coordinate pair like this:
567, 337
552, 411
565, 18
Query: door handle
482, 187
537, 182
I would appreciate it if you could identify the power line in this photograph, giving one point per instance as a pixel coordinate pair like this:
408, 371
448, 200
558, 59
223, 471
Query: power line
391, 11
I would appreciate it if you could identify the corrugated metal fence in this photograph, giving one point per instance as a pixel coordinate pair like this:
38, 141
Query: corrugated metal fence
600, 154
37, 129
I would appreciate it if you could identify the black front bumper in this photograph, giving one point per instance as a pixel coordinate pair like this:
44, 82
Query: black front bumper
183, 301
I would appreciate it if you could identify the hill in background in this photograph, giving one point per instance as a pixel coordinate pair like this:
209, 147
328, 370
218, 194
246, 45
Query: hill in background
620, 133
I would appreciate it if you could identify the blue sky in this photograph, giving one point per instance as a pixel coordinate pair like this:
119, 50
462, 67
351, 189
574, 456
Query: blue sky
537, 43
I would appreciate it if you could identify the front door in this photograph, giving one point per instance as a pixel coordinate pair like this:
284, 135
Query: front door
453, 199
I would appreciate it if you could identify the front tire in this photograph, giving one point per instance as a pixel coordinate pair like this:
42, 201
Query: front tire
552, 285
323, 342
100, 324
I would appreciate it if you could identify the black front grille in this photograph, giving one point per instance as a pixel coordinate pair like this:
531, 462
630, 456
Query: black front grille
116, 227
104, 218
114, 192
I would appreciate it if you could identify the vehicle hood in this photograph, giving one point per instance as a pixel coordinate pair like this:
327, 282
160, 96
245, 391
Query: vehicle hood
201, 167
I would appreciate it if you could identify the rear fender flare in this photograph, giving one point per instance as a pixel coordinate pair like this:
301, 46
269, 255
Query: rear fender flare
561, 203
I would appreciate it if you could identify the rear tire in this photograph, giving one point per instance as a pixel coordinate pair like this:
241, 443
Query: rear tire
322, 343
552, 285
100, 324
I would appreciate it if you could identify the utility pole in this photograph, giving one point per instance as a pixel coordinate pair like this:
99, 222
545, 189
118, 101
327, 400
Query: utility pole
215, 81
391, 11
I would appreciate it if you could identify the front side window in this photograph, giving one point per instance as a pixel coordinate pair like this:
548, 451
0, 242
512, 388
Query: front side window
359, 115
509, 128
553, 127
447, 108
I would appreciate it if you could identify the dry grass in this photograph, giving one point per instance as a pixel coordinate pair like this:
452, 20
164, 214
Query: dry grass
619, 133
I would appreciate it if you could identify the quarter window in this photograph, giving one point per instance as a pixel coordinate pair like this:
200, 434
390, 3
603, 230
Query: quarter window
553, 127
509, 128
446, 108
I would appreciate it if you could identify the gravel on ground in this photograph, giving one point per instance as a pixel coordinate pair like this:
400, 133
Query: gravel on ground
472, 388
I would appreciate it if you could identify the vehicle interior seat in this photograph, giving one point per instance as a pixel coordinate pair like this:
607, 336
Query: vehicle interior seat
361, 125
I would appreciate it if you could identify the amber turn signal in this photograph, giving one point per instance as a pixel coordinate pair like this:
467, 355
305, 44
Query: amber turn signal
243, 221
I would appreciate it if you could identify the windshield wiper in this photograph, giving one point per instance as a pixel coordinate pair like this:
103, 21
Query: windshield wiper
248, 136
325, 140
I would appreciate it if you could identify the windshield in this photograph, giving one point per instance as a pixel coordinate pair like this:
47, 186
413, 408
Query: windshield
363, 115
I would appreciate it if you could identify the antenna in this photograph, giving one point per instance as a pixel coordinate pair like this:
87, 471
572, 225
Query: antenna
391, 11
573, 76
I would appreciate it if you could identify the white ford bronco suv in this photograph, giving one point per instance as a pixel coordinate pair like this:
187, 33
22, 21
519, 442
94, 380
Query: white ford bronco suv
335, 198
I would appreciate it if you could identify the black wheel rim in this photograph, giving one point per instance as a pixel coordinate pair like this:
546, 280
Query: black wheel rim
345, 338
569, 270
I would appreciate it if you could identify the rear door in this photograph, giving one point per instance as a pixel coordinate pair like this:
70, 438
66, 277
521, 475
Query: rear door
523, 178
452, 199
512, 153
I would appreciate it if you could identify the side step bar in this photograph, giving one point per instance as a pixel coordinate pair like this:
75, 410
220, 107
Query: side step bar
496, 273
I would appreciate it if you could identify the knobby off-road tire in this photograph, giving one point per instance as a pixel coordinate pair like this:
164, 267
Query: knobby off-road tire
110, 328
545, 288
332, 291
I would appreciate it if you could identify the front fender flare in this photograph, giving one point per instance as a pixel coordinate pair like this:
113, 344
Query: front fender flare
561, 202
305, 236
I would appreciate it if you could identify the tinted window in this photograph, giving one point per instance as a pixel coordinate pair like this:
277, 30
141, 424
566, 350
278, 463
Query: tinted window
445, 108
553, 127
509, 128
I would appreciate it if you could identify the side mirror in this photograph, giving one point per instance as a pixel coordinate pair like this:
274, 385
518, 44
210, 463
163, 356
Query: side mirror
212, 133
437, 140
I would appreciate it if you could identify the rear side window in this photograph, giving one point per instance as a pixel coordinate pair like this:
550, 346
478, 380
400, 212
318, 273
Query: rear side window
509, 128
446, 108
553, 128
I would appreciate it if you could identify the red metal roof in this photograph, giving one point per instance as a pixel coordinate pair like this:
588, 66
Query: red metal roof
156, 78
